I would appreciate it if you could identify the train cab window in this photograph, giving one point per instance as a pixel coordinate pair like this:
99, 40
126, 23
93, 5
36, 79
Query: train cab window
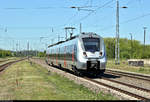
91, 44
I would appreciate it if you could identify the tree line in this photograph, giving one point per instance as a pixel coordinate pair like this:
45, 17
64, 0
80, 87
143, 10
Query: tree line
5, 53
8, 53
128, 49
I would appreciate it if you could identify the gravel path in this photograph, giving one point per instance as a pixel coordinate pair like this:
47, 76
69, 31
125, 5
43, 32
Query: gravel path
123, 87
132, 81
128, 72
92, 86
135, 82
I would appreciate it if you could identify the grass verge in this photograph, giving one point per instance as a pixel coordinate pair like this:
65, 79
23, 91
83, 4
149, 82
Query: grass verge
124, 66
23, 81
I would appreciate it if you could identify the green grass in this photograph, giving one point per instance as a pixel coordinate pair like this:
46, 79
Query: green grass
35, 83
124, 66
8, 59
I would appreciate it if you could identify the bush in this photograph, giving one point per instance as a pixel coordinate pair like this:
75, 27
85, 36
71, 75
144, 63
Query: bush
128, 49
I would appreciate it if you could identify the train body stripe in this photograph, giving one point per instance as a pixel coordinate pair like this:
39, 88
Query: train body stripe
73, 54
52, 55
64, 56
56, 56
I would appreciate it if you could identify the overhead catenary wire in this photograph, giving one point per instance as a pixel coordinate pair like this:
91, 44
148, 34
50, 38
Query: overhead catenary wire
127, 21
130, 20
112, 26
50, 7
109, 27
91, 12
42, 8
83, 18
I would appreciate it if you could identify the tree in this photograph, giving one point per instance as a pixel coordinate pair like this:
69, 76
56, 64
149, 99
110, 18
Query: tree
136, 50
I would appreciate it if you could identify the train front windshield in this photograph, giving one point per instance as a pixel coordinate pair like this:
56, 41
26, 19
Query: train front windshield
91, 44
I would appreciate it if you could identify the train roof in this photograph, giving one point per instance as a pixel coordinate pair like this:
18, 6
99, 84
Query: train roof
82, 35
89, 34
73, 37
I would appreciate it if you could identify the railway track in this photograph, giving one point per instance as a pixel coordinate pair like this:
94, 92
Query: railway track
4, 60
2, 67
115, 88
131, 75
126, 84
8, 59
120, 89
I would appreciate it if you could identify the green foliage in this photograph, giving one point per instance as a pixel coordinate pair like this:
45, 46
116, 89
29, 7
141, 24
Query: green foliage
33, 82
141, 69
128, 49
42, 54
5, 53
110, 47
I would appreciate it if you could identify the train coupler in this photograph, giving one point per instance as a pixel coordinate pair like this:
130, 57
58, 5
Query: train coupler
93, 65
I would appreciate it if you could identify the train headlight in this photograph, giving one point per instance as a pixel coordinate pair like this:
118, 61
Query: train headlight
101, 53
84, 53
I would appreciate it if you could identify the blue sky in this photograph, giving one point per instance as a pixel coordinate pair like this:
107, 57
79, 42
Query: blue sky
28, 20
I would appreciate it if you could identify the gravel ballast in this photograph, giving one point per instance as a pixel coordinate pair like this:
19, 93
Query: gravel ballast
78, 80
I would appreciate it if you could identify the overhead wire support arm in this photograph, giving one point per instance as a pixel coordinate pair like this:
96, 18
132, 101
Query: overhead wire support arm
81, 8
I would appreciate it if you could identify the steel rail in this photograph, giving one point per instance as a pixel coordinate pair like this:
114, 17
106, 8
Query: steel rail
127, 74
141, 75
4, 60
2, 67
129, 85
109, 86
118, 89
